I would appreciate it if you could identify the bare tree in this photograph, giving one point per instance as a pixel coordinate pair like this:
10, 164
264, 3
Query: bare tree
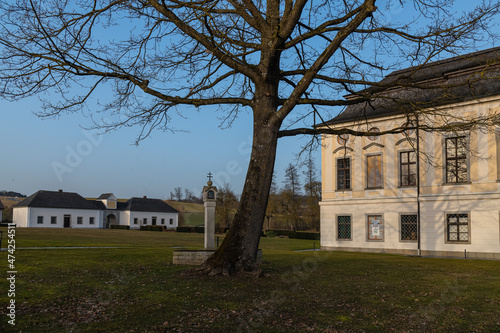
312, 188
288, 61
227, 203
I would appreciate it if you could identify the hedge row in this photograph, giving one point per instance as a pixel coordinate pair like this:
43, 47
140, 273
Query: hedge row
199, 229
293, 234
114, 226
304, 235
153, 227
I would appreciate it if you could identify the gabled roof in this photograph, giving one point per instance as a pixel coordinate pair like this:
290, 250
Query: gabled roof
57, 199
105, 196
468, 77
147, 205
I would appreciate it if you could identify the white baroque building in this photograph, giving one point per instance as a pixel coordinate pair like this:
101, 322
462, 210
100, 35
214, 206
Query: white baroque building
58, 209
376, 197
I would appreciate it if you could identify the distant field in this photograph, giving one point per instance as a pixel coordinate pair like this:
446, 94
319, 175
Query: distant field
10, 201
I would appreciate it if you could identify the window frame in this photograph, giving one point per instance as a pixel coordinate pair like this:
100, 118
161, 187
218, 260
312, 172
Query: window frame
408, 165
145, 221
91, 220
349, 170
447, 232
446, 159
337, 227
53, 220
79, 220
39, 219
171, 222
401, 227
381, 155
136, 220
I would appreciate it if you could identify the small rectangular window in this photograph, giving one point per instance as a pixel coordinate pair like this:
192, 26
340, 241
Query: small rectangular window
162, 221
53, 220
39, 220
457, 227
408, 168
374, 171
91, 220
343, 174
136, 220
171, 221
409, 227
79, 220
145, 221
344, 227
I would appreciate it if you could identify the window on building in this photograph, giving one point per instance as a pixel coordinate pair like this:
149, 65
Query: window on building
171, 221
39, 220
342, 139
91, 220
374, 171
136, 220
408, 168
145, 221
409, 227
456, 159
53, 220
79, 220
375, 227
343, 174
344, 227
373, 131
162, 221
457, 227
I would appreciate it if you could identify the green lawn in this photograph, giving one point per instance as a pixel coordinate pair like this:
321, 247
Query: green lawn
135, 288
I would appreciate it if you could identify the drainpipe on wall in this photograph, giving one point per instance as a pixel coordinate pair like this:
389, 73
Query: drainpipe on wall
418, 188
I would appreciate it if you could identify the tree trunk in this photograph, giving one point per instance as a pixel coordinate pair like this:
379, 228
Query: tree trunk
238, 251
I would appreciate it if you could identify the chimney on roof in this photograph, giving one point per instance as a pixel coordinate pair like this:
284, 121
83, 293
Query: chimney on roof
60, 191
144, 197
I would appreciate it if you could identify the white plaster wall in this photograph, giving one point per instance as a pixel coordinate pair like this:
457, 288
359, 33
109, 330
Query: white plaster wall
484, 223
47, 213
358, 210
20, 216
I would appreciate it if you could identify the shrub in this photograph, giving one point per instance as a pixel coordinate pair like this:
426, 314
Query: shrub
270, 233
184, 229
152, 227
304, 235
200, 229
113, 226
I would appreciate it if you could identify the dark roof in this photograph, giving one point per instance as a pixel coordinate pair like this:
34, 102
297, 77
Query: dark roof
148, 205
105, 196
57, 199
462, 78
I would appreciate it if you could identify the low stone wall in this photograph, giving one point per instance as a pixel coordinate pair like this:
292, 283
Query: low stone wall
197, 257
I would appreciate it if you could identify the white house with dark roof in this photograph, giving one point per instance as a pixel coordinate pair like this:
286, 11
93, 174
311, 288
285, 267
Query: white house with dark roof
376, 197
58, 209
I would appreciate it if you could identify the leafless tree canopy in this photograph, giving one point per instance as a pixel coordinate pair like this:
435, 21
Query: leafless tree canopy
220, 52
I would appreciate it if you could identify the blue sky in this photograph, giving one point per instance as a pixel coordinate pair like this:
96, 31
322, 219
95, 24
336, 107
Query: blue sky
54, 154
58, 153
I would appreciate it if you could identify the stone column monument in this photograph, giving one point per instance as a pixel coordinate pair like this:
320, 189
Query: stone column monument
209, 199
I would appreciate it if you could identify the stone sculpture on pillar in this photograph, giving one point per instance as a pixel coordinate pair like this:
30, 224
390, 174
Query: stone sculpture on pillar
209, 200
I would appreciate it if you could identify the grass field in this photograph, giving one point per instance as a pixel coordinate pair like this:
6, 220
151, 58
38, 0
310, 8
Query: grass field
135, 288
